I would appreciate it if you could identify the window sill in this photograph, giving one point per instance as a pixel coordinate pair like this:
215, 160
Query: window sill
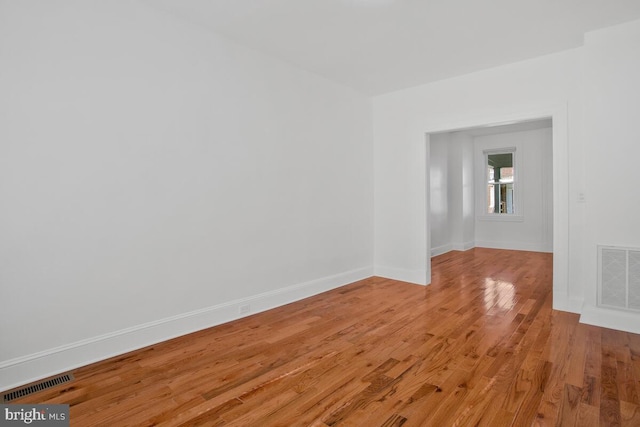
501, 217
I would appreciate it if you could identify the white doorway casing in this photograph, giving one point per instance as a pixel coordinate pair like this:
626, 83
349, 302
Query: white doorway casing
558, 114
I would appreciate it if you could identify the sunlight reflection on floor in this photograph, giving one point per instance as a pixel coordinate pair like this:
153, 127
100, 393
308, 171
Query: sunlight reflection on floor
498, 294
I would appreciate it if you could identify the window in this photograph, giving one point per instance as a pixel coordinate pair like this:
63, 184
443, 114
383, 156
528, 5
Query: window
501, 181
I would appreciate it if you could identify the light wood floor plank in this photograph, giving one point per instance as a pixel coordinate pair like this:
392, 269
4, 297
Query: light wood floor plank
480, 346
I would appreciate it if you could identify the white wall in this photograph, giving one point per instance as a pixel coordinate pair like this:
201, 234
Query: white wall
441, 215
154, 177
533, 229
592, 94
451, 193
462, 191
467, 194
542, 87
612, 142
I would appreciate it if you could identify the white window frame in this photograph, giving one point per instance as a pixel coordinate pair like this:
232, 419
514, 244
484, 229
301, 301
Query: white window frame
483, 179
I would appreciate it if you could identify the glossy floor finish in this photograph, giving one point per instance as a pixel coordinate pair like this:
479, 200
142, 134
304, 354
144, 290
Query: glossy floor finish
480, 346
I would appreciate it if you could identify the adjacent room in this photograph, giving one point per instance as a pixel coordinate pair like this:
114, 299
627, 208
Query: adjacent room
344, 212
492, 187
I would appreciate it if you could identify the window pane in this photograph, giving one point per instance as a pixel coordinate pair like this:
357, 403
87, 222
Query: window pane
491, 199
506, 174
500, 182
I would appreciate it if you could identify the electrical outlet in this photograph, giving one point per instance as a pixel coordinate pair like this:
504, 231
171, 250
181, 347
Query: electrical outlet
244, 309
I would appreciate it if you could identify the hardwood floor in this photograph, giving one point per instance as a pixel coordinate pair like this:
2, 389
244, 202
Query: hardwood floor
480, 346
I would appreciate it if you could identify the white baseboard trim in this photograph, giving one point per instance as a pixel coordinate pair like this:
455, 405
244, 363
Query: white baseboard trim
439, 250
571, 305
443, 249
464, 246
36, 366
418, 277
514, 246
613, 319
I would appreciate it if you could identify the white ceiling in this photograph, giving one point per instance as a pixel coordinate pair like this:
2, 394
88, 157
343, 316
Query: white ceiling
377, 46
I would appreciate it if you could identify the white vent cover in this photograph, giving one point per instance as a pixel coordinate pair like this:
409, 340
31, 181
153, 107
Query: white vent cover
619, 277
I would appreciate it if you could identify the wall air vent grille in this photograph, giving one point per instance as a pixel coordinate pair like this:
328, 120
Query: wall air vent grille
619, 277
33, 388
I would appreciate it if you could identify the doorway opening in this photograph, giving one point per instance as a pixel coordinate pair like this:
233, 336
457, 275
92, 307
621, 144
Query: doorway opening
458, 191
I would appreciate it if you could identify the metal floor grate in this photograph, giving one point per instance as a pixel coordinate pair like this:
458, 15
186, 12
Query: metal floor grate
33, 388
